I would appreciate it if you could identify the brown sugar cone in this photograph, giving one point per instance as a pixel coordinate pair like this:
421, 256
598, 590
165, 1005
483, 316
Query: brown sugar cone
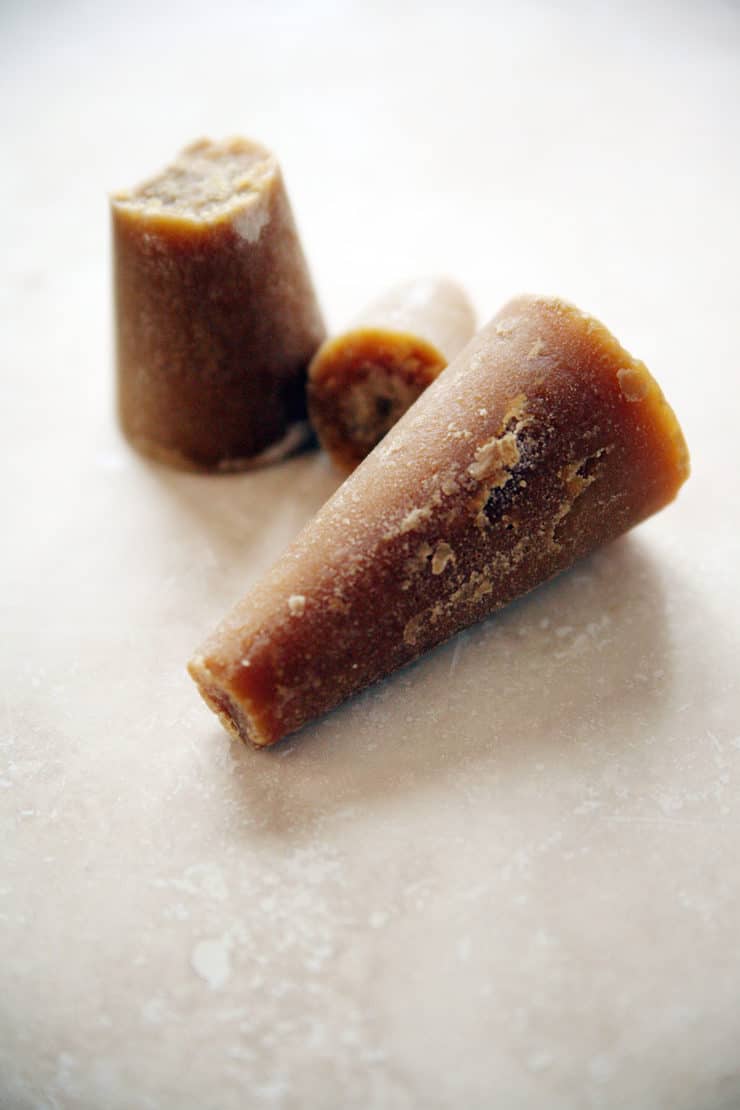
216, 317
543, 440
362, 382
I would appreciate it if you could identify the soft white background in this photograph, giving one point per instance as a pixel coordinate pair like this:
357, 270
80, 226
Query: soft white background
508, 877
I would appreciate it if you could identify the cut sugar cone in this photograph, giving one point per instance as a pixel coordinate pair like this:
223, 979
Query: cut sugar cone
543, 440
362, 381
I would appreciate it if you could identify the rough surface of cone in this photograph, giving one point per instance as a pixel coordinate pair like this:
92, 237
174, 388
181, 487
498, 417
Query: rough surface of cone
543, 440
216, 317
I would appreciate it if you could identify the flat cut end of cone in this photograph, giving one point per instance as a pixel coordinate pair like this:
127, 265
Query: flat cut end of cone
361, 383
237, 717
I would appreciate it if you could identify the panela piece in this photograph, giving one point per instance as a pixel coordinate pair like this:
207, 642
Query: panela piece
542, 441
361, 382
216, 317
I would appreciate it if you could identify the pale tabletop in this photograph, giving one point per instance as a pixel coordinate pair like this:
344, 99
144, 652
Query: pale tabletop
509, 876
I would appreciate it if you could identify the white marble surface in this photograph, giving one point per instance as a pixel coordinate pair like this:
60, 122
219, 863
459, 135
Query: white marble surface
508, 877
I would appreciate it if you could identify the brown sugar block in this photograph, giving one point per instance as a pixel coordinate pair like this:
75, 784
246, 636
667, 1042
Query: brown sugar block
543, 440
216, 317
361, 382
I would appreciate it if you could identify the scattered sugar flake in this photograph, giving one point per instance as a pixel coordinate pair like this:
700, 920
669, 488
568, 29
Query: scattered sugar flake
633, 382
177, 912
443, 556
274, 1091
669, 803
297, 605
589, 805
538, 1061
378, 919
154, 1010
66, 1065
201, 878
251, 220
601, 1068
211, 960
414, 519
464, 947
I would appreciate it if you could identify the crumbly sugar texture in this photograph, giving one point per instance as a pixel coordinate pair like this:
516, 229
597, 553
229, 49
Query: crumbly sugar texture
361, 382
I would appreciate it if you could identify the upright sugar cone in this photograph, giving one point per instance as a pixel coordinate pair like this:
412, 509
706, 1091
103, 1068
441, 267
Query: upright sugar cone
543, 440
216, 316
